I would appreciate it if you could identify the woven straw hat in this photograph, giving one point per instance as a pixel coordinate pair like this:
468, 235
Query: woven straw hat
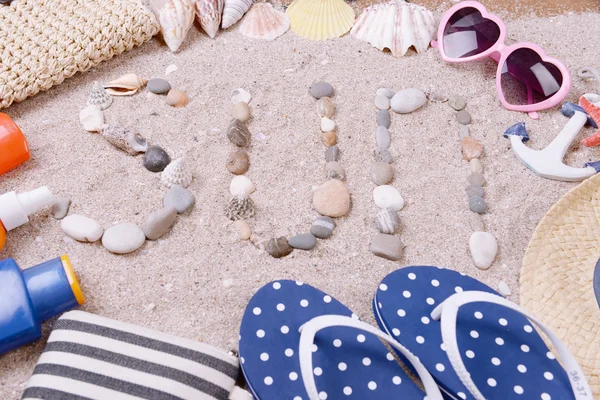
557, 277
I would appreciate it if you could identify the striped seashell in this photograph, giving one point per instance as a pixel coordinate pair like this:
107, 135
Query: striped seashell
176, 18
263, 21
176, 173
209, 13
234, 11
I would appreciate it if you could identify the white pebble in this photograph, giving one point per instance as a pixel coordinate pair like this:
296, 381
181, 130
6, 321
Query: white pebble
171, 68
123, 238
408, 100
80, 228
484, 248
327, 125
241, 186
91, 118
240, 95
150, 306
386, 196
504, 289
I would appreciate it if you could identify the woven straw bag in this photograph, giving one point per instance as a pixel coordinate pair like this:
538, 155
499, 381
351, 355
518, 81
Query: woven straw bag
43, 42
558, 274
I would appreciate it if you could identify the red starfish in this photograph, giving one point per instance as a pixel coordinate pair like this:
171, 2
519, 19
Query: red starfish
594, 112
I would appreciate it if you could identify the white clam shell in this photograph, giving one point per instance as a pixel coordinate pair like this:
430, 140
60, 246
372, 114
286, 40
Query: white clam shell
92, 118
233, 11
176, 173
483, 247
327, 125
263, 21
387, 196
241, 186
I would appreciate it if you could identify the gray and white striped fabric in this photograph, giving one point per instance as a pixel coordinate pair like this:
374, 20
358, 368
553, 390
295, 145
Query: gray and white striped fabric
92, 357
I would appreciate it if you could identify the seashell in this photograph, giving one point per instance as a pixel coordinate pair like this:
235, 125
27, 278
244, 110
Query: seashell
240, 207
176, 174
396, 26
320, 19
92, 118
175, 17
209, 15
387, 221
233, 11
240, 95
258, 241
264, 22
241, 112
177, 98
241, 186
99, 97
124, 139
126, 85
238, 133
238, 162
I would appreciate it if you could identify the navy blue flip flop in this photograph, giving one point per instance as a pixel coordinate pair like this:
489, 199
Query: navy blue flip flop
340, 358
476, 344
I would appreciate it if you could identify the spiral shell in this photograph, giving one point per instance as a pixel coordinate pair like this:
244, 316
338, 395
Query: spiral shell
126, 85
233, 11
176, 173
176, 18
99, 97
124, 139
238, 162
240, 207
209, 15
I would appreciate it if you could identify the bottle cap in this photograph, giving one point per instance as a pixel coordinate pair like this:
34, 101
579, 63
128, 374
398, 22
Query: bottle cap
13, 145
15, 209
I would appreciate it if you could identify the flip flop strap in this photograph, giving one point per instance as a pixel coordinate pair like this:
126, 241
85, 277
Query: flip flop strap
307, 338
447, 312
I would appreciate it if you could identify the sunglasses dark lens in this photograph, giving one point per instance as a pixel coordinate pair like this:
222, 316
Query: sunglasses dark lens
468, 33
526, 79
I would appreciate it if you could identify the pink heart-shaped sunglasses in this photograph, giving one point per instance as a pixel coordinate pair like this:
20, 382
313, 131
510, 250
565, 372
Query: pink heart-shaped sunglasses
527, 80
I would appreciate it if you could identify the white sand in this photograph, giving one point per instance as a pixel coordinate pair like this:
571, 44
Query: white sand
200, 276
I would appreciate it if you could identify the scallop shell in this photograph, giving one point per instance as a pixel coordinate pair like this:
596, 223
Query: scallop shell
176, 174
209, 15
126, 85
124, 139
233, 11
99, 97
320, 19
264, 22
396, 26
176, 17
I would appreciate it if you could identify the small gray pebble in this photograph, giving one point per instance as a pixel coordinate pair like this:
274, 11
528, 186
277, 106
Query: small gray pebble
278, 247
159, 222
457, 102
383, 138
179, 198
60, 207
476, 222
305, 241
335, 170
476, 179
323, 227
477, 204
387, 246
474, 190
383, 118
158, 86
387, 92
463, 117
321, 89
332, 153
156, 159
464, 131
382, 173
382, 102
383, 156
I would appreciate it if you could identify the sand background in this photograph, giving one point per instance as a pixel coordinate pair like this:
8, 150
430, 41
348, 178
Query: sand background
200, 276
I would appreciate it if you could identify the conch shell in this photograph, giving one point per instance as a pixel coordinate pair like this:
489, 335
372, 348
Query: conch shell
126, 85
124, 139
234, 11
176, 17
209, 15
264, 22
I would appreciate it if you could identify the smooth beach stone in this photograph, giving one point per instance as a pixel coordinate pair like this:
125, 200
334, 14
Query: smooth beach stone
323, 227
387, 246
243, 229
471, 148
384, 119
60, 207
156, 159
464, 131
332, 199
383, 156
123, 238
279, 247
387, 92
158, 86
305, 241
408, 100
382, 102
383, 138
476, 223
476, 166
477, 204
177, 98
321, 89
457, 102
387, 221
483, 247
476, 179
238, 133
335, 170
329, 138
159, 222
325, 107
241, 111
463, 117
382, 173
327, 125
80, 228
179, 198
241, 186
332, 153
238, 161
388, 197
474, 190
504, 289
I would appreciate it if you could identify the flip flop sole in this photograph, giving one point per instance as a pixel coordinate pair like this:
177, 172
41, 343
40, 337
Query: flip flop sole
505, 356
347, 363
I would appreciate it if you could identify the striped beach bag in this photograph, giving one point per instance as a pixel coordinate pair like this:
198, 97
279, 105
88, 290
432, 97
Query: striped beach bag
92, 357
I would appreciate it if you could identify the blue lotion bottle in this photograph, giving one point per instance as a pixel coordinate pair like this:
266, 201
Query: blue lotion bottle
29, 297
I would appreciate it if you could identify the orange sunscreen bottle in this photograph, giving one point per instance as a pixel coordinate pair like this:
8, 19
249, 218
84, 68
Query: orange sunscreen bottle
13, 145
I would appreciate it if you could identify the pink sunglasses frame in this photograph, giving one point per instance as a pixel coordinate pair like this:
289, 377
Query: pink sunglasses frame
499, 52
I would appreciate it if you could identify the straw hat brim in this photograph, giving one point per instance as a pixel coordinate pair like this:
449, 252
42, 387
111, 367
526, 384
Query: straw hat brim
557, 277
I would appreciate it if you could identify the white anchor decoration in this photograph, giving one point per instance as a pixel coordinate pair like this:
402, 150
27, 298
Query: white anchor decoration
548, 163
